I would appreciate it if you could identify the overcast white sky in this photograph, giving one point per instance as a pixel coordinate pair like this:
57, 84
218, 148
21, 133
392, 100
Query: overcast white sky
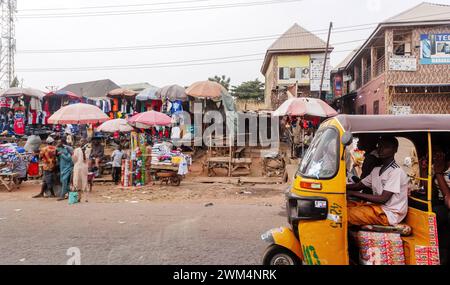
179, 27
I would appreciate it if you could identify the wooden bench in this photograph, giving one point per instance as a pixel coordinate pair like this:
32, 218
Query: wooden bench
239, 166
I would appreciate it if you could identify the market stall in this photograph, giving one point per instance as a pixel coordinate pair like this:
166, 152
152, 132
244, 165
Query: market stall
14, 164
20, 110
149, 100
123, 103
302, 116
54, 101
165, 163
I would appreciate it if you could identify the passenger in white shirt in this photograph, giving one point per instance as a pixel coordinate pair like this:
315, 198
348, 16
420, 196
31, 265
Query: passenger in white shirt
389, 202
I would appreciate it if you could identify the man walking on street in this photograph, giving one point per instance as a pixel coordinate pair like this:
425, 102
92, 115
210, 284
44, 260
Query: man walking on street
48, 158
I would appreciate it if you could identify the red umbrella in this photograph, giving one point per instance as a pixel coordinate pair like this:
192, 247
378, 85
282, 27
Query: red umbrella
148, 119
78, 114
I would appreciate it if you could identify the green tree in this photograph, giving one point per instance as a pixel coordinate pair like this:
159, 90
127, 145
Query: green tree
249, 90
222, 80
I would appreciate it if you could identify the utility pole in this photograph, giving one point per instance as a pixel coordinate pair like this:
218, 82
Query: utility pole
325, 60
8, 10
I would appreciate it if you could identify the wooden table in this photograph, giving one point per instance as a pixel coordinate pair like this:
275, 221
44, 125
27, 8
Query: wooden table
224, 162
7, 180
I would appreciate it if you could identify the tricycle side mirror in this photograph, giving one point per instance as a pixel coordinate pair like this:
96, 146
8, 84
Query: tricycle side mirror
347, 138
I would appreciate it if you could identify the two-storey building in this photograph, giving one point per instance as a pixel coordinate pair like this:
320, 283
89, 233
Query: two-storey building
402, 68
296, 58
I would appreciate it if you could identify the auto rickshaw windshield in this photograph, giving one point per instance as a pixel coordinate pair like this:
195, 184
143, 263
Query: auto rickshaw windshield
321, 160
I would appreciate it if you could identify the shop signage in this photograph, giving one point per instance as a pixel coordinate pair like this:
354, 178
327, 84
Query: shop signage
338, 85
403, 63
317, 61
435, 49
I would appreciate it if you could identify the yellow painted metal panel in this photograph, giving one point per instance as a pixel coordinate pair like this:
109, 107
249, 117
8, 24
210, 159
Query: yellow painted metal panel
325, 242
294, 61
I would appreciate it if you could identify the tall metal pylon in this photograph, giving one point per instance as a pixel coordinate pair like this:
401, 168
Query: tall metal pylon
8, 42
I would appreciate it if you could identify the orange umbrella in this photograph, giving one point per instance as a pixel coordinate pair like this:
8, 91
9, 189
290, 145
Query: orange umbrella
79, 113
121, 92
206, 89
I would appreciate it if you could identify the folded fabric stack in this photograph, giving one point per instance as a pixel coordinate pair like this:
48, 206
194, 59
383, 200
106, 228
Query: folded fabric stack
9, 152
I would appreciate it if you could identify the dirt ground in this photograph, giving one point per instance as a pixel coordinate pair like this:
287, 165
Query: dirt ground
187, 191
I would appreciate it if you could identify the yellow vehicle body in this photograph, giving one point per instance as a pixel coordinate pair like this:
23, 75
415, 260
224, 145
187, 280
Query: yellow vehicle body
323, 239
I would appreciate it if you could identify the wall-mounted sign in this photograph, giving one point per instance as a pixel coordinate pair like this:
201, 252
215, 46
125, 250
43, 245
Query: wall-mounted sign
403, 63
401, 110
317, 61
435, 49
347, 78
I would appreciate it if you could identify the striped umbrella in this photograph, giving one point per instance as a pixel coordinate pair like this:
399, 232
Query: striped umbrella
305, 107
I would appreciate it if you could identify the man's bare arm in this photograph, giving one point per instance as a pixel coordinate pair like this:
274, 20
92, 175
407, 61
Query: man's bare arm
377, 199
355, 187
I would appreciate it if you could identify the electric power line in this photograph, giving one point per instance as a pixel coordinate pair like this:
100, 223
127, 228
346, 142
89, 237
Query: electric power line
189, 44
113, 6
194, 62
153, 11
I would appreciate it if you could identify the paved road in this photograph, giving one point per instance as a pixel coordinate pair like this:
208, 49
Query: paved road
41, 232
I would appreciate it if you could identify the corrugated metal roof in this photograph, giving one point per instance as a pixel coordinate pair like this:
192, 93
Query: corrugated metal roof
349, 57
138, 86
92, 89
298, 38
423, 12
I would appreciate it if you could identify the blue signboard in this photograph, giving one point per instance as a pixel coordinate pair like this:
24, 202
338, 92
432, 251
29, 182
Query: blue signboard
435, 49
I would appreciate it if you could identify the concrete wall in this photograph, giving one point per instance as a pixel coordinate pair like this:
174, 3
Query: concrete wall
271, 77
250, 105
375, 90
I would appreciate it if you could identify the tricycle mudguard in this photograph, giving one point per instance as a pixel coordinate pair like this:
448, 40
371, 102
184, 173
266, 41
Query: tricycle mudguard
284, 237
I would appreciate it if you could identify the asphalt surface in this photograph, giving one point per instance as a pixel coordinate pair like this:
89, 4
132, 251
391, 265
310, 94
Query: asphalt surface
43, 231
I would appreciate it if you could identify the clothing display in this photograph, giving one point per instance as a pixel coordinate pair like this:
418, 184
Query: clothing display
19, 124
177, 106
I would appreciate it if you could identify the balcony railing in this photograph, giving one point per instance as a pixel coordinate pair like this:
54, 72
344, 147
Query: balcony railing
380, 66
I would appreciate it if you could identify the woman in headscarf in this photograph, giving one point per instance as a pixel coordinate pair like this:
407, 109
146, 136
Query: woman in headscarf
81, 167
65, 168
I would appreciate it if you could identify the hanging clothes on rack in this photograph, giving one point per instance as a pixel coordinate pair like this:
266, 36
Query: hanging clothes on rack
177, 106
19, 124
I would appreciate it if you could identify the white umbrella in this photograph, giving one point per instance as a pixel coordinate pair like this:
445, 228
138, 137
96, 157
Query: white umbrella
305, 107
117, 125
79, 113
18, 92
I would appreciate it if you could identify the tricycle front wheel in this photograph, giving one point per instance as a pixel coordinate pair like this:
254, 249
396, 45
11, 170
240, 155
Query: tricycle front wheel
278, 255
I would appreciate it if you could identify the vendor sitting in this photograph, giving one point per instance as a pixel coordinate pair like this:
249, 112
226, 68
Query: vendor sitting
389, 203
98, 152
